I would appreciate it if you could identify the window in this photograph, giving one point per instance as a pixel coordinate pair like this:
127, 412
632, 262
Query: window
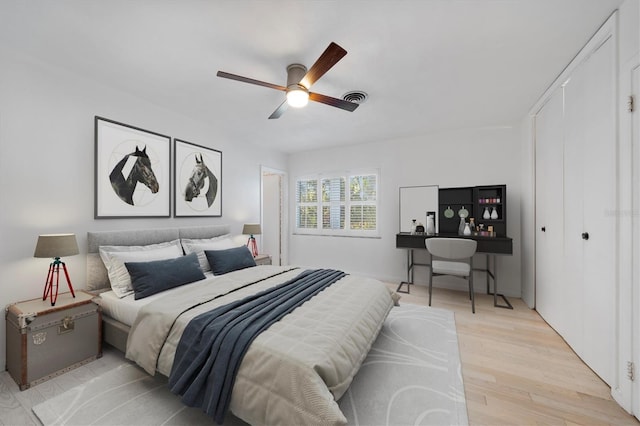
347, 204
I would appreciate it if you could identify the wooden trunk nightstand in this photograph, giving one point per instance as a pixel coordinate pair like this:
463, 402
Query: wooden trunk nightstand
263, 259
44, 341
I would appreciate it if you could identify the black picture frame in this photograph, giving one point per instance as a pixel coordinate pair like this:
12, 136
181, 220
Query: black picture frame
197, 180
132, 171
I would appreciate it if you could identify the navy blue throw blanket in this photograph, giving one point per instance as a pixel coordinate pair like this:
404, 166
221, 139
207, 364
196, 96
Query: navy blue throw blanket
213, 344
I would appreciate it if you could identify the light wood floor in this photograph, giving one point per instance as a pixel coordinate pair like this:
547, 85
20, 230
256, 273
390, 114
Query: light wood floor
517, 370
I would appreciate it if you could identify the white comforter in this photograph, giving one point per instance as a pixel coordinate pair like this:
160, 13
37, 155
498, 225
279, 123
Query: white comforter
295, 371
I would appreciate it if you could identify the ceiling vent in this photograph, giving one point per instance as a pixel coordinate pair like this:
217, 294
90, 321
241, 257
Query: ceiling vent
355, 96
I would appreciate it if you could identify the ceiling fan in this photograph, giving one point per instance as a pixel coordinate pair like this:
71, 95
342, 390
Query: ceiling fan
299, 80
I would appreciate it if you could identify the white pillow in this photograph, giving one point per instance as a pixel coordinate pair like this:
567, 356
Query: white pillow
198, 246
114, 258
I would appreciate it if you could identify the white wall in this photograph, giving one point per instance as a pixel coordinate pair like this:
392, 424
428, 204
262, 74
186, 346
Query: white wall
458, 158
528, 214
47, 168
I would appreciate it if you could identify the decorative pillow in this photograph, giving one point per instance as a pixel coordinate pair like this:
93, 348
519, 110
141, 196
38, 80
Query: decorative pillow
114, 258
153, 277
198, 246
229, 260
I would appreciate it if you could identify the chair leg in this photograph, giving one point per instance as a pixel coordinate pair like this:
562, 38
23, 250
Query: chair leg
430, 283
473, 301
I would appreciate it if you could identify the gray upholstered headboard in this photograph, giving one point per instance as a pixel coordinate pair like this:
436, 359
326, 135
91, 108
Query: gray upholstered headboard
97, 278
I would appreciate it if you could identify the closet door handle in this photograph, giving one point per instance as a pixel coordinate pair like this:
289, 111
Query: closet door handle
543, 229
585, 235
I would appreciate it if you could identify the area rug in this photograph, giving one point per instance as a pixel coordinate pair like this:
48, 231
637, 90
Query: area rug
412, 376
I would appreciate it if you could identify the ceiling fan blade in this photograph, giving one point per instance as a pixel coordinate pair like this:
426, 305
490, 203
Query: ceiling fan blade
250, 81
334, 102
280, 110
328, 59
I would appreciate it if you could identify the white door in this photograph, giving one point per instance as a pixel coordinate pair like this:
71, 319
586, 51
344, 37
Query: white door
575, 203
600, 206
589, 199
573, 219
549, 217
573, 211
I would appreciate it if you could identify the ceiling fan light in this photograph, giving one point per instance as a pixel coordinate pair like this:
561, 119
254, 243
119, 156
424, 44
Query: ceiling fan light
297, 98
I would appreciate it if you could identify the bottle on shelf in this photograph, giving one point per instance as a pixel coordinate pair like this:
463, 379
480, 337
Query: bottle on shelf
412, 229
486, 215
467, 229
431, 228
494, 214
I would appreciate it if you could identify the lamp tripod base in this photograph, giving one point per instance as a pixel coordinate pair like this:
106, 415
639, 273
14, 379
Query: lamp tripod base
253, 247
51, 285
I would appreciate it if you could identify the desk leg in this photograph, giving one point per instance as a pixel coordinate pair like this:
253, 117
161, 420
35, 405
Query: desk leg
494, 275
410, 266
409, 273
488, 274
495, 282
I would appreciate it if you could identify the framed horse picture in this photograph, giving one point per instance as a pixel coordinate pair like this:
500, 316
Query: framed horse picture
198, 180
132, 171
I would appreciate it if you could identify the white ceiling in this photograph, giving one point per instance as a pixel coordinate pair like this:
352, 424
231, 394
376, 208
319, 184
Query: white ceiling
427, 65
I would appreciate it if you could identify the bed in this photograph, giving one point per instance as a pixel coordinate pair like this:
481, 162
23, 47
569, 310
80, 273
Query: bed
292, 373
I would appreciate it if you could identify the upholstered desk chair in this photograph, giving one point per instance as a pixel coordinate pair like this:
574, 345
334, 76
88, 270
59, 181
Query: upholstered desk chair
452, 256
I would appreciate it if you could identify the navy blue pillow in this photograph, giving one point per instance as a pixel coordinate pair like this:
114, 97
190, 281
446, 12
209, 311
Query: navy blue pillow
149, 278
229, 260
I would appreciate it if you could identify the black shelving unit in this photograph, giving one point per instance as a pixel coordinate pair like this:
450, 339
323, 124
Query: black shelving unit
475, 199
491, 198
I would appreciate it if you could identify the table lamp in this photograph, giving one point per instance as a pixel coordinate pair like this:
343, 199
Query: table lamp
55, 246
252, 229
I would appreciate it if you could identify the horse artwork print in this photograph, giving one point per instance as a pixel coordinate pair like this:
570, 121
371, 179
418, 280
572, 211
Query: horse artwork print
198, 180
140, 172
132, 171
199, 176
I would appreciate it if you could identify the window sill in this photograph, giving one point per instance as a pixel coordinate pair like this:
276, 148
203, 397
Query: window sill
301, 234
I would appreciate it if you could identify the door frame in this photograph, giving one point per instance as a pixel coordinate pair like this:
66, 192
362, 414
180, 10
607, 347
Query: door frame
284, 209
629, 174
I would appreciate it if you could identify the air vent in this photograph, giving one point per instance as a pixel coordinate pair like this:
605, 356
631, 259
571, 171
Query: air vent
355, 96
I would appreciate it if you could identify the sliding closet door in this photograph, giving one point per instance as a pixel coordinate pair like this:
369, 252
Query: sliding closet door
589, 210
549, 213
576, 128
600, 203
577, 294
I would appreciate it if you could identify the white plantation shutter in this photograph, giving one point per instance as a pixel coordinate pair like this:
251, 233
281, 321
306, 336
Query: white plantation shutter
364, 202
333, 203
307, 204
347, 204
